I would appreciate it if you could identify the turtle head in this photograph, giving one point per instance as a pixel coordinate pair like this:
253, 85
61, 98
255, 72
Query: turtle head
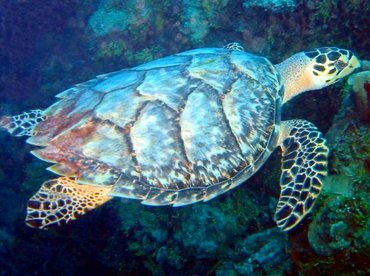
330, 64
315, 69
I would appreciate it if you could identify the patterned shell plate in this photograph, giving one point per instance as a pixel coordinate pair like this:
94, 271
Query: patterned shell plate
196, 119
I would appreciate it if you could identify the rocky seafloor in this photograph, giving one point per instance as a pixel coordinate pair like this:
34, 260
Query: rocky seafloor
48, 47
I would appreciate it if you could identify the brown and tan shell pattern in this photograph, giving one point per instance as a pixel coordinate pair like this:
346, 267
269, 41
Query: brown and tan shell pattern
175, 130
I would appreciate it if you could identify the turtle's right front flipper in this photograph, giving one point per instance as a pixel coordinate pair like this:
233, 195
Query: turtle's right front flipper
22, 124
304, 165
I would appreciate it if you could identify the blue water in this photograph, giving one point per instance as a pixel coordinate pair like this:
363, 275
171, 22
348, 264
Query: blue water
49, 46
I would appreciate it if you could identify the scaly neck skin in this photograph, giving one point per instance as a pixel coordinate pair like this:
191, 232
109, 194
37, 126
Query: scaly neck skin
315, 69
295, 76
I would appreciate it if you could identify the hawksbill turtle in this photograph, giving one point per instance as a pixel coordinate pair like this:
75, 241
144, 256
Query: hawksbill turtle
179, 130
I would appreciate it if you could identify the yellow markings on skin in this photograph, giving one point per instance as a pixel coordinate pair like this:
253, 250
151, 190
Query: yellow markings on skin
296, 75
301, 72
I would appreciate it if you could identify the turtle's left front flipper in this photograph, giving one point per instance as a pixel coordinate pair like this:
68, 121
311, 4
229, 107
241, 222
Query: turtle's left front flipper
22, 124
304, 165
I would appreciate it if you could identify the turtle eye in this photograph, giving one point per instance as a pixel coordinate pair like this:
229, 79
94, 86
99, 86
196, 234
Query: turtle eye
340, 64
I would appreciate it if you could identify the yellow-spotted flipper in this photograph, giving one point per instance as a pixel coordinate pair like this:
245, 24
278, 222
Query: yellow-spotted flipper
304, 165
62, 199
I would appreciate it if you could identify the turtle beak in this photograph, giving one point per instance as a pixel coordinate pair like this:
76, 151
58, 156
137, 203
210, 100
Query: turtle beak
363, 65
354, 65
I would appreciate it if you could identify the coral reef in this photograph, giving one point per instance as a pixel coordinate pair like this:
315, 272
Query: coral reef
349, 135
263, 253
360, 88
175, 236
118, 21
346, 226
45, 49
122, 30
116, 16
199, 17
272, 5
342, 225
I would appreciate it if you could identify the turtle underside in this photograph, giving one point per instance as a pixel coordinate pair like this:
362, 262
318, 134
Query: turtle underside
172, 131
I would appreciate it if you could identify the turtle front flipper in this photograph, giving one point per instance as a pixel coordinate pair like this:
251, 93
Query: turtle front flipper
22, 124
60, 200
304, 165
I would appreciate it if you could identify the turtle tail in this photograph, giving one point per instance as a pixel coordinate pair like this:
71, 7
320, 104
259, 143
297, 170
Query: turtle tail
22, 124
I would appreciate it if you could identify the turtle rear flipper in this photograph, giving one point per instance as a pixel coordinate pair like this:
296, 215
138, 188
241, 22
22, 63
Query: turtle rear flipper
60, 200
304, 165
22, 124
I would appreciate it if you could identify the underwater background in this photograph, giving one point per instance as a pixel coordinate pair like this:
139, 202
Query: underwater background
48, 46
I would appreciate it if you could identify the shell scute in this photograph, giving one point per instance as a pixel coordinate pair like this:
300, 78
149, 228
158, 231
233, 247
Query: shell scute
213, 70
158, 146
257, 68
120, 106
251, 117
204, 51
160, 197
208, 142
168, 85
165, 62
118, 80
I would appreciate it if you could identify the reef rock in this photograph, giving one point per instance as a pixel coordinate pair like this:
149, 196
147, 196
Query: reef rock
199, 16
259, 254
360, 88
342, 223
114, 15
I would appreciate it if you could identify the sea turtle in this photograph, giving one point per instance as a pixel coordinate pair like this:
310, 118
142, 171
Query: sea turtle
181, 129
